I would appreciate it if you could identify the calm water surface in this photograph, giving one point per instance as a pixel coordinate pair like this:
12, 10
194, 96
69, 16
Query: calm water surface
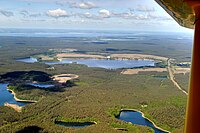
41, 85
7, 97
28, 60
107, 64
136, 118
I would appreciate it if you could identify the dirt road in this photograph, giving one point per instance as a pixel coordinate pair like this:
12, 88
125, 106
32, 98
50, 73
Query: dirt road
171, 77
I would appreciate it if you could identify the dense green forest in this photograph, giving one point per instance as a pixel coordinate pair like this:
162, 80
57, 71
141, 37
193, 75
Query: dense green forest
97, 95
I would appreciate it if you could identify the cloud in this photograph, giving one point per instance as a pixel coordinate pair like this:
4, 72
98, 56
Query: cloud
83, 5
104, 13
130, 15
57, 13
143, 8
158, 17
33, 20
6, 13
26, 14
35, 15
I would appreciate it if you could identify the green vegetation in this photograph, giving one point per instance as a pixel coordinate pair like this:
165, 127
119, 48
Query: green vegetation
97, 91
25, 76
86, 119
183, 80
162, 64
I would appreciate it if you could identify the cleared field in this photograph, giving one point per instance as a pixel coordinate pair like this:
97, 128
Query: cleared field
182, 70
138, 56
136, 71
73, 55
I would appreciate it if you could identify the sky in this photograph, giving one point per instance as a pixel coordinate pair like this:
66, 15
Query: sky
134, 15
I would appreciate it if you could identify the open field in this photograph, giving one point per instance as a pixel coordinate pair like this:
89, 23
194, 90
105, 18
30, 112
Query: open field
182, 70
73, 55
136, 71
138, 56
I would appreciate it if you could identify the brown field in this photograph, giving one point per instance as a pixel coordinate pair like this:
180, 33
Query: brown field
73, 55
182, 70
138, 56
46, 58
136, 71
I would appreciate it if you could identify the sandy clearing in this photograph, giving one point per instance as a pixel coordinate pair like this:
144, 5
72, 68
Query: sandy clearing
46, 58
138, 56
181, 70
14, 106
136, 71
62, 78
73, 55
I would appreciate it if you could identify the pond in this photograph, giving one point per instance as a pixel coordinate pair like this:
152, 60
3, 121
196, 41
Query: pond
42, 85
74, 124
136, 118
8, 97
100, 63
27, 60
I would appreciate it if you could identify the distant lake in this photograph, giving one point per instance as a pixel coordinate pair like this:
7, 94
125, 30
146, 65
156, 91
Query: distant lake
28, 60
136, 118
102, 63
41, 85
7, 97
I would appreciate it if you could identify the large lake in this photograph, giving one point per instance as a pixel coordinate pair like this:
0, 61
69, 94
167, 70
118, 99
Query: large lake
136, 118
7, 97
103, 63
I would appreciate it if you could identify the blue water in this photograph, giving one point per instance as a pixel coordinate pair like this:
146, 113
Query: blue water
28, 60
107, 64
7, 97
136, 118
41, 85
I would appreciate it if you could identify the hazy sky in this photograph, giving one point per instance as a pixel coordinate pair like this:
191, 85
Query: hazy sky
136, 15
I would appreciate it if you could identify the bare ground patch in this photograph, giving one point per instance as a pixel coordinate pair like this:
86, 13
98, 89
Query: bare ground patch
181, 70
136, 71
73, 55
62, 78
137, 56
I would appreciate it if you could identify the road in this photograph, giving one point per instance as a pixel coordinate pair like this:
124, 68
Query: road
171, 77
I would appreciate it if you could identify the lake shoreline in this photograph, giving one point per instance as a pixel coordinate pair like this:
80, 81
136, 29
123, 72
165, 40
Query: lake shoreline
20, 100
143, 115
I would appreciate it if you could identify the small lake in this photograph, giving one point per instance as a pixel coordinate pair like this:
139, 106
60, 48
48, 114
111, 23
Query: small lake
74, 124
41, 85
103, 63
136, 118
7, 97
28, 60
